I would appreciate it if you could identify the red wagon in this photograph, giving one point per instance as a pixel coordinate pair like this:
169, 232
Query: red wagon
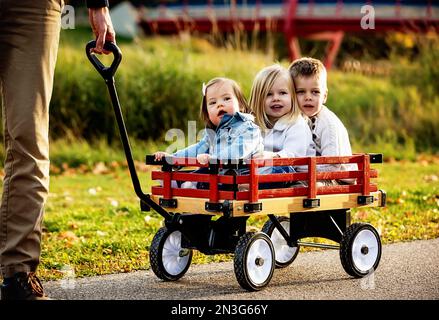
214, 220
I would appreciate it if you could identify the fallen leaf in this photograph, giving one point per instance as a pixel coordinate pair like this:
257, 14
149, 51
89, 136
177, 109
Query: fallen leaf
54, 169
114, 164
141, 167
251, 229
73, 225
362, 215
114, 203
69, 237
431, 178
424, 163
100, 168
83, 168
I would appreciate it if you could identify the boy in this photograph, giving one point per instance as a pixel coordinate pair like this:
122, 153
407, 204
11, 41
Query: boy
329, 134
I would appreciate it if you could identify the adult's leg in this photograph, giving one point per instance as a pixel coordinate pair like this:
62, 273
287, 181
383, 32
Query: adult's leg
29, 34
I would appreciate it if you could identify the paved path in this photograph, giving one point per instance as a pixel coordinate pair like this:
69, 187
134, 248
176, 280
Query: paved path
408, 270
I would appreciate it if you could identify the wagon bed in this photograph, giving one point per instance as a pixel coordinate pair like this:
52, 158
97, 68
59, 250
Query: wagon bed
283, 201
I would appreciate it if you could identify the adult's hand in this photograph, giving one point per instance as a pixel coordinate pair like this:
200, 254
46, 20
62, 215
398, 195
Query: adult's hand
100, 22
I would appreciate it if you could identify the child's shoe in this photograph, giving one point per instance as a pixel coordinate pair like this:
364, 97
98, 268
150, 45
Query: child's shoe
188, 185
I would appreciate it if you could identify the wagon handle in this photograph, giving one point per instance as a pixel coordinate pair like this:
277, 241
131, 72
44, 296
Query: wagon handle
108, 74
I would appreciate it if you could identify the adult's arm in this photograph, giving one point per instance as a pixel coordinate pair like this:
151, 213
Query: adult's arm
101, 24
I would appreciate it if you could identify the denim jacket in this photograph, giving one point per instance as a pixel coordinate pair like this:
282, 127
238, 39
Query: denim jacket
236, 137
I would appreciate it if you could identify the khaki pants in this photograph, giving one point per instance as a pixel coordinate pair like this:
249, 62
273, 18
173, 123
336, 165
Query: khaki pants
29, 35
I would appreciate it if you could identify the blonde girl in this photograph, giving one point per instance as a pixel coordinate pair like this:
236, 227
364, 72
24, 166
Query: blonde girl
230, 133
285, 132
273, 101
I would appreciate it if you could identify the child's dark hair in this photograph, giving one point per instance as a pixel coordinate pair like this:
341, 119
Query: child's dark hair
306, 67
243, 105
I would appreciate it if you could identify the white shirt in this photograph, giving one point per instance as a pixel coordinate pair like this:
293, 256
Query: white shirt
331, 138
289, 140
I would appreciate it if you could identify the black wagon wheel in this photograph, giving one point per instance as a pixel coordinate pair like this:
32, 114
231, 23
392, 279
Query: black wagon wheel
284, 254
360, 249
168, 259
254, 261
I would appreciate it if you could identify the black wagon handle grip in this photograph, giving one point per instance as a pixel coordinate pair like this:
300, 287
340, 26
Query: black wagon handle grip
106, 72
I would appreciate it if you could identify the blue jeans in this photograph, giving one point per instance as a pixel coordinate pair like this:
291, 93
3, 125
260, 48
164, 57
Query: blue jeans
222, 187
262, 186
274, 170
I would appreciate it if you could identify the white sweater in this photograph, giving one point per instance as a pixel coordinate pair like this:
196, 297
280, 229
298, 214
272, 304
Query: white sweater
331, 138
290, 140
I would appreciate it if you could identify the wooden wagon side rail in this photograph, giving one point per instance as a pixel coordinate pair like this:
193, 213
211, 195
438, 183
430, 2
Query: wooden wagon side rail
277, 206
361, 177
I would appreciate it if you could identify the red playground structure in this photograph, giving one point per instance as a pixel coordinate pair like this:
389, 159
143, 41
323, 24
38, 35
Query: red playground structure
327, 20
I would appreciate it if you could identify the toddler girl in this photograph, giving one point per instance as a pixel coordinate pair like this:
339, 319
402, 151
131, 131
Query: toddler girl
230, 133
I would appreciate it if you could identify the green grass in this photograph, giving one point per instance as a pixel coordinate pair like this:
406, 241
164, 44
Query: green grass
93, 223
412, 212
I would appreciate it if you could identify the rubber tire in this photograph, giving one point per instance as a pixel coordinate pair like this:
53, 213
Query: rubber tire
346, 249
240, 259
156, 256
268, 229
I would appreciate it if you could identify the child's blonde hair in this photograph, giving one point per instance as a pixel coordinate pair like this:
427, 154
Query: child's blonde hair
262, 85
242, 101
307, 67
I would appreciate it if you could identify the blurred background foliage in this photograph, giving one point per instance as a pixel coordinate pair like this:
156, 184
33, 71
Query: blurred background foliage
385, 89
388, 98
